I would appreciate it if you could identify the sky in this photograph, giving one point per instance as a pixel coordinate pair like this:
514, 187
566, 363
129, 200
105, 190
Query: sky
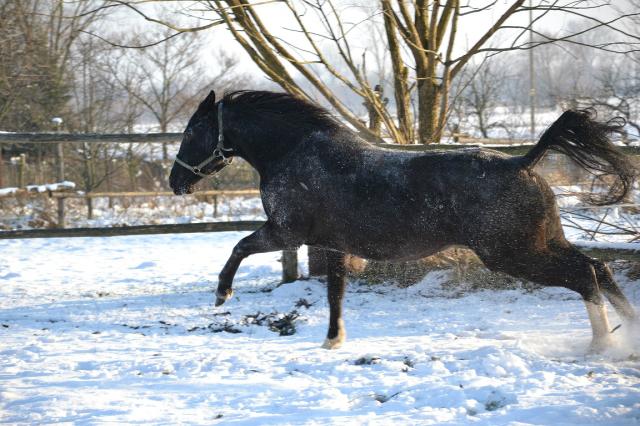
278, 18
362, 38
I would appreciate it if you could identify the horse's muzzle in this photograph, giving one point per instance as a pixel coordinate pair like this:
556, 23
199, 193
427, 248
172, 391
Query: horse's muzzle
182, 190
182, 181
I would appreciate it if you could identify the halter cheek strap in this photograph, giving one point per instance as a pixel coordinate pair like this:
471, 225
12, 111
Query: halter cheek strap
219, 152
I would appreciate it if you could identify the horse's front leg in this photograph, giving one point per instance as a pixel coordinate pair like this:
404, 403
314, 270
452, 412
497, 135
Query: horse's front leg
267, 238
336, 282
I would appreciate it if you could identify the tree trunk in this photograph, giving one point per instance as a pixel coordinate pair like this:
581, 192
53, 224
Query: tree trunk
428, 112
400, 77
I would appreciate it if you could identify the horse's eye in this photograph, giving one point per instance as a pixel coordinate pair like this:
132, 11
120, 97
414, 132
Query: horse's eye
188, 133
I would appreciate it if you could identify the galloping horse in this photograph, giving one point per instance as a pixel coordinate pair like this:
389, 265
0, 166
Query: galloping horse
324, 186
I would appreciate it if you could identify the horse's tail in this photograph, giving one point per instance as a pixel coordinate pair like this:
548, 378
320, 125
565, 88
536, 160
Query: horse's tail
578, 135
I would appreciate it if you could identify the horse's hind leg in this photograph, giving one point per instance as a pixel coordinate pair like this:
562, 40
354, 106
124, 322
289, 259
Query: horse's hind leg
597, 312
336, 282
613, 293
559, 266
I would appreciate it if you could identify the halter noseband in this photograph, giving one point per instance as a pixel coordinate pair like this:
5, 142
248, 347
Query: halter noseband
219, 152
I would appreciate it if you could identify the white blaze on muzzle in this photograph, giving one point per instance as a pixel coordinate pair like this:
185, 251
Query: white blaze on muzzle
220, 152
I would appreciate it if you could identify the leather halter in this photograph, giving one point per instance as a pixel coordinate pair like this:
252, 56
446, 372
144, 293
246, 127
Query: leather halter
219, 152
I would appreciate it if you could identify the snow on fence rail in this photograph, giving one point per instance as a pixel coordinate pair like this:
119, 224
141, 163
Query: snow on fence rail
609, 251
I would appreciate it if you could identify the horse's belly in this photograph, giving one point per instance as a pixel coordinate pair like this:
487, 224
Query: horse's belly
392, 245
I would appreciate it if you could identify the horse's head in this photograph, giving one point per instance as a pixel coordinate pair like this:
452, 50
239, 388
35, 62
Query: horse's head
202, 150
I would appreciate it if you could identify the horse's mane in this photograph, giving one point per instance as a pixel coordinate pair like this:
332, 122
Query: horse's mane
284, 108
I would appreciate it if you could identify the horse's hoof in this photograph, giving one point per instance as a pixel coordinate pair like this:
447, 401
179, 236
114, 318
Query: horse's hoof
598, 346
222, 296
336, 342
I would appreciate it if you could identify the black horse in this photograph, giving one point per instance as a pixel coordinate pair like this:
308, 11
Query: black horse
324, 186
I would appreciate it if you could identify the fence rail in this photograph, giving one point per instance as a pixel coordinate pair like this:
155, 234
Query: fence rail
66, 193
621, 251
118, 231
516, 147
40, 138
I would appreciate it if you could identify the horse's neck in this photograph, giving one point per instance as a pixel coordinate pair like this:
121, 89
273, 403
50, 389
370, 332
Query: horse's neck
269, 153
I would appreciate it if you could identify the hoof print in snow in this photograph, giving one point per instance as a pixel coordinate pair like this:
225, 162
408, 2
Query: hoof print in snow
284, 325
495, 401
367, 360
303, 302
381, 398
136, 327
408, 364
226, 327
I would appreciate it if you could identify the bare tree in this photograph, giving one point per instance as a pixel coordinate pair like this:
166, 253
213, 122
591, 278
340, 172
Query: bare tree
420, 36
619, 92
36, 44
481, 94
168, 79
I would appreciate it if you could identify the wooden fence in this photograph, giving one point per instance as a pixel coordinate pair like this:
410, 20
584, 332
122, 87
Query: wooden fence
628, 252
66, 193
59, 139
515, 147
289, 258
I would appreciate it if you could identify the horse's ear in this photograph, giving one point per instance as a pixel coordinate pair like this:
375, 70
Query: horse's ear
210, 101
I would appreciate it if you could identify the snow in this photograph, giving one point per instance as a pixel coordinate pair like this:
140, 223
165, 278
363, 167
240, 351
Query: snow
8, 191
58, 186
606, 245
123, 330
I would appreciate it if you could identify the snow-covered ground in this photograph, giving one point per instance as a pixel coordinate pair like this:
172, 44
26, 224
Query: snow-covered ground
123, 331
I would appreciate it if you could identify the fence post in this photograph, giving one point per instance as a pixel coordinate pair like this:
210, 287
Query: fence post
289, 266
60, 159
22, 166
89, 207
1, 166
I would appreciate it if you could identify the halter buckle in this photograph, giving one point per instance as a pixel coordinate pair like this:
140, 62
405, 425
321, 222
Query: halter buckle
220, 152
